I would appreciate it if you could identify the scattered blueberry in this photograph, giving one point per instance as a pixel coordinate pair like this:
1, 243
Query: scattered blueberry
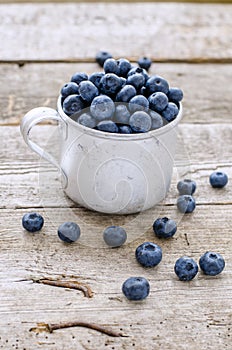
140, 121
137, 80
212, 263
126, 93
73, 104
32, 222
218, 179
186, 203
124, 67
114, 236
186, 268
78, 77
110, 84
136, 288
148, 254
69, 89
158, 101
107, 126
170, 112
88, 91
87, 120
111, 66
121, 115
157, 84
175, 94
156, 120
125, 129
145, 63
102, 56
186, 186
138, 103
69, 232
102, 107
164, 227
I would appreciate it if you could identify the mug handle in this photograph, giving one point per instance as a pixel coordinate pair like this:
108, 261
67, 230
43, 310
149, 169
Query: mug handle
32, 118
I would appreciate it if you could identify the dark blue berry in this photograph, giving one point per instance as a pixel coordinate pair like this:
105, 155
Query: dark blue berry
186, 268
73, 104
121, 114
157, 84
111, 66
124, 67
95, 78
170, 112
107, 126
110, 84
124, 129
140, 121
69, 232
156, 120
69, 89
164, 227
125, 94
186, 203
88, 91
175, 94
114, 236
137, 80
186, 186
148, 254
136, 288
139, 70
87, 120
102, 107
78, 77
212, 263
158, 101
138, 103
32, 222
145, 63
123, 81
102, 56
218, 179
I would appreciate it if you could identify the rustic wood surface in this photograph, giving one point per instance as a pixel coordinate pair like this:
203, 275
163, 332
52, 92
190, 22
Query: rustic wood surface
41, 46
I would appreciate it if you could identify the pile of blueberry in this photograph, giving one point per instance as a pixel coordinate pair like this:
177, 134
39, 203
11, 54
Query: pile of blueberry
148, 254
123, 99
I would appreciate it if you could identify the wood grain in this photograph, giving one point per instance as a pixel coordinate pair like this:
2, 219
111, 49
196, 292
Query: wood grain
167, 31
207, 88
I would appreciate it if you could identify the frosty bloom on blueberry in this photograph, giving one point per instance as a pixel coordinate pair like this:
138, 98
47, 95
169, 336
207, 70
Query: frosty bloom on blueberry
32, 222
136, 288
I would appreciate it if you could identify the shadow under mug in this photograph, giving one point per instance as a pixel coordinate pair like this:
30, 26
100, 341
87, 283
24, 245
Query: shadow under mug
107, 172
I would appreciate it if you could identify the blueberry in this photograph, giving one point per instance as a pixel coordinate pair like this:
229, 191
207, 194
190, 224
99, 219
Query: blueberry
95, 78
126, 93
125, 129
78, 77
186, 268
140, 121
124, 67
111, 66
164, 227
212, 263
69, 89
186, 186
69, 232
137, 80
158, 101
156, 120
136, 288
110, 84
145, 63
157, 84
32, 222
148, 254
121, 114
139, 70
114, 236
73, 104
102, 56
218, 179
102, 108
175, 94
138, 103
123, 81
88, 91
87, 120
186, 203
170, 112
107, 126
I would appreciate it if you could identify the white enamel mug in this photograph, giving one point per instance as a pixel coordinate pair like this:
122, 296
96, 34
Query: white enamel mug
107, 172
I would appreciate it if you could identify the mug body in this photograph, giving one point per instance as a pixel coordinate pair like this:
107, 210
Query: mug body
116, 173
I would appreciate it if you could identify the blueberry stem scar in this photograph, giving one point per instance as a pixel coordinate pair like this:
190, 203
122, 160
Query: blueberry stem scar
67, 284
54, 326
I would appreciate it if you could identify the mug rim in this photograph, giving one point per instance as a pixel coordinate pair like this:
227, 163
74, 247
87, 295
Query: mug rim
101, 134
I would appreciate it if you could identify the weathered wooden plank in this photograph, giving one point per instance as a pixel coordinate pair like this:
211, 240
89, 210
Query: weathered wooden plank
207, 88
26, 180
159, 30
198, 312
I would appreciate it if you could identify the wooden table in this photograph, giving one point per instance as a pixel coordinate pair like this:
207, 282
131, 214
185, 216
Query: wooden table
42, 45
